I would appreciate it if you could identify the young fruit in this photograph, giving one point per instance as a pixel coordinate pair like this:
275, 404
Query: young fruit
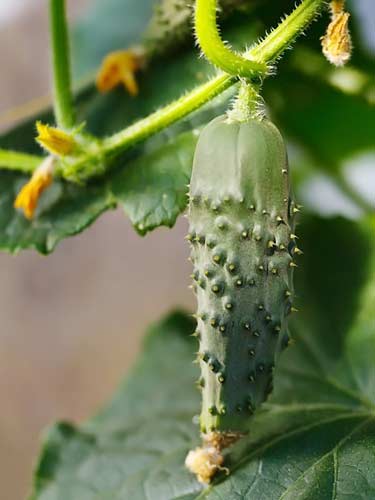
243, 248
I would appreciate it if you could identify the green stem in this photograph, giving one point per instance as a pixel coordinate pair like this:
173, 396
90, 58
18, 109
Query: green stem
213, 47
267, 51
13, 160
248, 104
166, 116
63, 99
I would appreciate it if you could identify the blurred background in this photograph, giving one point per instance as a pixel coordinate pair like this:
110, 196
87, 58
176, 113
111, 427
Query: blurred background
71, 323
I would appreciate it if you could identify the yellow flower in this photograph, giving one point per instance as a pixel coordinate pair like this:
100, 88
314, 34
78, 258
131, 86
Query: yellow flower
336, 43
54, 140
29, 195
119, 67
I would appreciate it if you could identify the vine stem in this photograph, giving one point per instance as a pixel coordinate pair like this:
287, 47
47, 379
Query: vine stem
213, 47
166, 116
266, 51
63, 98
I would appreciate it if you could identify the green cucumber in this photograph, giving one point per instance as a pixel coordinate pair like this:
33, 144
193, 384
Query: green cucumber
242, 249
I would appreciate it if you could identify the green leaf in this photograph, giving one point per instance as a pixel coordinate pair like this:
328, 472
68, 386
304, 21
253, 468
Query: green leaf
314, 439
139, 425
153, 191
64, 210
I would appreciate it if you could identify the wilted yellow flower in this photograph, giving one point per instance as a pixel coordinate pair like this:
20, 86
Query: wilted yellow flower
119, 67
54, 140
29, 195
336, 43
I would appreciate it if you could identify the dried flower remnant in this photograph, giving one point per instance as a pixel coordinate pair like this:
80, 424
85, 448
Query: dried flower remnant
204, 463
336, 43
208, 460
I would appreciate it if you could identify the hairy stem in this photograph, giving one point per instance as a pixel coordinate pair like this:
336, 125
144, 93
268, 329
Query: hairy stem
213, 47
166, 116
63, 100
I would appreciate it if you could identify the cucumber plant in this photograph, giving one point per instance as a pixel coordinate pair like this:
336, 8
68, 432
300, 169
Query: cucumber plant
240, 208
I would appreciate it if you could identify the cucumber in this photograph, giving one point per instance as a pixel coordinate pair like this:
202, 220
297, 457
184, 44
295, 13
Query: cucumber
243, 247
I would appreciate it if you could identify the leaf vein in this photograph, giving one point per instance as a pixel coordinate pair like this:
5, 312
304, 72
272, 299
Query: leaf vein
331, 452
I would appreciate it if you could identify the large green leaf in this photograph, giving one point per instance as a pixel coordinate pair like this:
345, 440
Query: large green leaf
313, 440
64, 210
152, 191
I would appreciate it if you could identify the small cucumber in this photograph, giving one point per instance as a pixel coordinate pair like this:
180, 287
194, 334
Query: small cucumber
242, 248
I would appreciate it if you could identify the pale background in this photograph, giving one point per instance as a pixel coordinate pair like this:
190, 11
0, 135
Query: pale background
71, 323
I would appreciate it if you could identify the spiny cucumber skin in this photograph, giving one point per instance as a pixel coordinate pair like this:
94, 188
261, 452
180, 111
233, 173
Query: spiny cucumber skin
241, 222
